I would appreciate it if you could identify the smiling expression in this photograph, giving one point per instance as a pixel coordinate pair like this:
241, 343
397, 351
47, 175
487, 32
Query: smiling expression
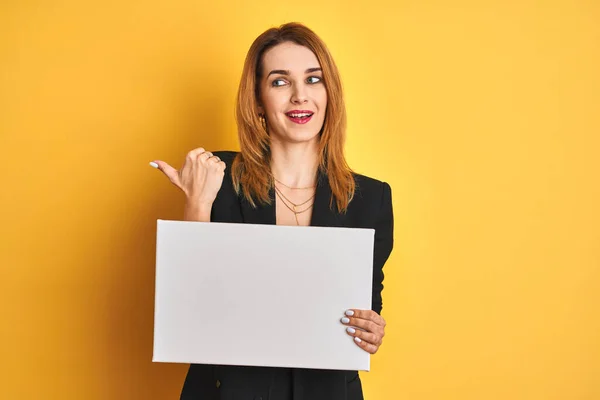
293, 97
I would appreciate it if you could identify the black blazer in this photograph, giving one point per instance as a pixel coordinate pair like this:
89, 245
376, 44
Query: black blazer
371, 207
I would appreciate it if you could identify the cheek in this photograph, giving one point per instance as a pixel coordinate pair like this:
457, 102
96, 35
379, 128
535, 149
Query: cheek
323, 100
273, 103
323, 108
267, 99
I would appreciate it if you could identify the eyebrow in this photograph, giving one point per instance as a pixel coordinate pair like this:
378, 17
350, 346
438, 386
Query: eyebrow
287, 72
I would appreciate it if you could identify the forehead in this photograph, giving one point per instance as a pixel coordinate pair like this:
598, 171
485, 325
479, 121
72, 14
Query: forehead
289, 56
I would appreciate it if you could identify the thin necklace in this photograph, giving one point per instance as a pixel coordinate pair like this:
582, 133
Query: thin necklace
291, 202
295, 188
295, 212
294, 206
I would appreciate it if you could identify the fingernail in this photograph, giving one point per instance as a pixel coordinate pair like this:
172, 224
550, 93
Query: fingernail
357, 340
349, 313
351, 330
345, 320
153, 164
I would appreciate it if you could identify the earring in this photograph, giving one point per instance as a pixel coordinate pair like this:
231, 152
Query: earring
263, 121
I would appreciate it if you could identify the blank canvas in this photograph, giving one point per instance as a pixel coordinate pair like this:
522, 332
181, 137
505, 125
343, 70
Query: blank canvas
260, 295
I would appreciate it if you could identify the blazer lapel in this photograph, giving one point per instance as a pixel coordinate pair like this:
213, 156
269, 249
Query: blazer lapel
262, 214
322, 214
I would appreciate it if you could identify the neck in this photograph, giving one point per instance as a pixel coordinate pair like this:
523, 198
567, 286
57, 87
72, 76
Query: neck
295, 164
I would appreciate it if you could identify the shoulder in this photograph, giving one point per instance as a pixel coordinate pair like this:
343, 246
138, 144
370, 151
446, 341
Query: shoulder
372, 198
371, 207
370, 189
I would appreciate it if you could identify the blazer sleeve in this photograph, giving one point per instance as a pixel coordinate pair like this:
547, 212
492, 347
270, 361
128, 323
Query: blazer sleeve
384, 242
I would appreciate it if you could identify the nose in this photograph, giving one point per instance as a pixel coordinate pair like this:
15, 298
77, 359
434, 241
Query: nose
299, 95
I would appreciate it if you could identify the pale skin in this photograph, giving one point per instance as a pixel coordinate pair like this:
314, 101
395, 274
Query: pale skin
292, 80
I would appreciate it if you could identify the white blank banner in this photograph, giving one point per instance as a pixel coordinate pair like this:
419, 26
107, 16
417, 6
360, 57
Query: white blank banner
260, 295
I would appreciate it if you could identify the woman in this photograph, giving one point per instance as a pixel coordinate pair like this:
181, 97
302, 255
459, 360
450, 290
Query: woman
290, 171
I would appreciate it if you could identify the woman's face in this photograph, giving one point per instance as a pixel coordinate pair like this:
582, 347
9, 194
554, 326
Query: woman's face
292, 94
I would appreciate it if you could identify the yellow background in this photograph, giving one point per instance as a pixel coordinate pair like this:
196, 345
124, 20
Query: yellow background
484, 117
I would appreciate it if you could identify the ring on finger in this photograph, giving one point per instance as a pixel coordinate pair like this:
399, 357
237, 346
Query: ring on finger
205, 156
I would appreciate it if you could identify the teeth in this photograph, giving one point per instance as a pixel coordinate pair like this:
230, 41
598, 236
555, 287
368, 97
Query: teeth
299, 115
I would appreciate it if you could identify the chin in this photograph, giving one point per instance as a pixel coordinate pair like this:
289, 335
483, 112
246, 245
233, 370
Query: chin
302, 138
298, 136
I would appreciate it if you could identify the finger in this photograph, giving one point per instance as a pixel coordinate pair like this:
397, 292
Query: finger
221, 166
203, 157
193, 154
214, 159
169, 171
366, 314
367, 325
366, 346
364, 336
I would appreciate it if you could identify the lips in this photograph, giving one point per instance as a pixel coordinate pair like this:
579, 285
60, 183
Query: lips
299, 116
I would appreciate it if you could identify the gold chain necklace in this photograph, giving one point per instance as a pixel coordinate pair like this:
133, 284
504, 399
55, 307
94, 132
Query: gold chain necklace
291, 202
294, 188
294, 206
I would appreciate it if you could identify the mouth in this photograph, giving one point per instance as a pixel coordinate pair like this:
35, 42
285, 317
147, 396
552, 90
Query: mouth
299, 116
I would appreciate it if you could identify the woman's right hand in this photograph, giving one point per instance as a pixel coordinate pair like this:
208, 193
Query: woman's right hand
200, 178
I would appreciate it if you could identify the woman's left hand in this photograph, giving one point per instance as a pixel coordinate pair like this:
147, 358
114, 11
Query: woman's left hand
367, 327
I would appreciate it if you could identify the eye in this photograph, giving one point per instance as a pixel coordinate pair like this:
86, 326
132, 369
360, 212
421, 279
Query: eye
278, 82
313, 79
